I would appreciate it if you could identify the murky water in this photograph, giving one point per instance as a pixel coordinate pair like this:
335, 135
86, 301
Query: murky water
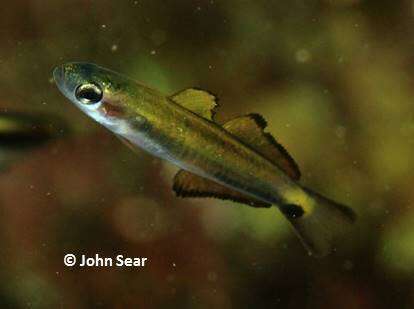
333, 79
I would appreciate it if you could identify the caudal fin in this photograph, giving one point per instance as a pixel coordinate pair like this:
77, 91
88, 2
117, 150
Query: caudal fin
319, 224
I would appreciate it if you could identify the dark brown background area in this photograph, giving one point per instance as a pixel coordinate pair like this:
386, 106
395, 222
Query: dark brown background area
333, 78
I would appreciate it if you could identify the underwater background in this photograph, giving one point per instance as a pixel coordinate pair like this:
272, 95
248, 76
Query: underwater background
333, 78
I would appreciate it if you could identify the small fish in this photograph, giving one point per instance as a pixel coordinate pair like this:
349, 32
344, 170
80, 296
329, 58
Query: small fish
21, 132
238, 160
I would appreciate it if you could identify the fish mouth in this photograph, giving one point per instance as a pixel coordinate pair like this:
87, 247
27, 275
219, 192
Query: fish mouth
70, 75
59, 75
60, 80
64, 81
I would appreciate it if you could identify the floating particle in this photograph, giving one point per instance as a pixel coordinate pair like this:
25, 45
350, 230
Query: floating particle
340, 132
303, 55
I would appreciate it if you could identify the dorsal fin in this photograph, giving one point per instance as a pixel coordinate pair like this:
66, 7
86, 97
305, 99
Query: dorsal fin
249, 129
187, 184
198, 101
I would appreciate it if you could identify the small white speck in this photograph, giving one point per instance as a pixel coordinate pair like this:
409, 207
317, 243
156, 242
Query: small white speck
153, 52
114, 48
103, 26
340, 131
173, 264
303, 55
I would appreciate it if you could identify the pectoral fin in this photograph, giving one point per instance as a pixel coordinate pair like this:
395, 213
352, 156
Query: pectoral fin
198, 101
128, 144
249, 130
187, 184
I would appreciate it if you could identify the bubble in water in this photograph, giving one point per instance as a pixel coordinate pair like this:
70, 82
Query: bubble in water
340, 132
303, 55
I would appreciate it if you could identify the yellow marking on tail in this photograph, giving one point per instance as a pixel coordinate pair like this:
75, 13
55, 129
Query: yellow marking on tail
300, 198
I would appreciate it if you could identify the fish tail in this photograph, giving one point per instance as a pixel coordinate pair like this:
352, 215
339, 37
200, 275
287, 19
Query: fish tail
318, 221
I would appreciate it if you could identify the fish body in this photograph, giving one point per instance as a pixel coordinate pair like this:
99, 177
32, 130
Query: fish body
202, 147
236, 160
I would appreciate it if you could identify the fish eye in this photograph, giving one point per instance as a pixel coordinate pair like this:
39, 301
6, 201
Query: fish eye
89, 93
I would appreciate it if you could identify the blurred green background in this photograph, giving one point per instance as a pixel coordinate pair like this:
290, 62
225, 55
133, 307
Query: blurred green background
334, 79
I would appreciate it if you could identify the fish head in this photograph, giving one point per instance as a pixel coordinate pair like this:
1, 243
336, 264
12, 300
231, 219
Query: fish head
98, 92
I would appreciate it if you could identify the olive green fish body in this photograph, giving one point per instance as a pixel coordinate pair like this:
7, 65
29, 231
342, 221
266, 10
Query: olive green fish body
204, 148
237, 160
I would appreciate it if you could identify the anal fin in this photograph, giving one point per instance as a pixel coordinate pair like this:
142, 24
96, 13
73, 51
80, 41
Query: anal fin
187, 184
